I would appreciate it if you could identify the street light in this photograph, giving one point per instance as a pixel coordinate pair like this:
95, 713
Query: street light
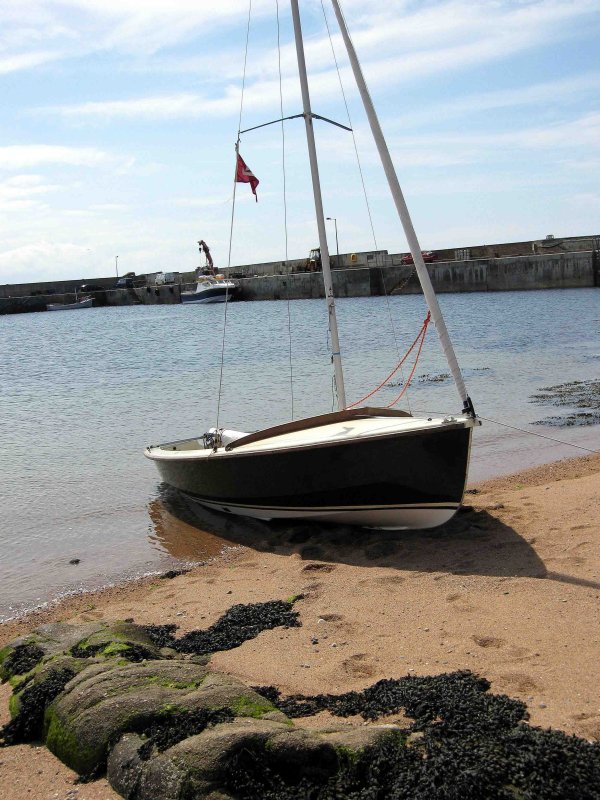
337, 247
117, 265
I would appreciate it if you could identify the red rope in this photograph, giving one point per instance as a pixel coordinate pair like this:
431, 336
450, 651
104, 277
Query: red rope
412, 372
420, 335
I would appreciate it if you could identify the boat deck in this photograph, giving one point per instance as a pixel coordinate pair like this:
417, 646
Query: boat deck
336, 432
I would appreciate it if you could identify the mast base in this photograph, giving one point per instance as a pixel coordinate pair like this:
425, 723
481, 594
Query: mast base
468, 408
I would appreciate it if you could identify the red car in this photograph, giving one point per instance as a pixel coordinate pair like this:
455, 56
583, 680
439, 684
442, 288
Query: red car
428, 257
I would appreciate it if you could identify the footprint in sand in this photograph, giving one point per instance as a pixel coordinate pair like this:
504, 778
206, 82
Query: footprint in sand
318, 568
387, 581
381, 550
460, 602
518, 682
488, 641
358, 666
312, 591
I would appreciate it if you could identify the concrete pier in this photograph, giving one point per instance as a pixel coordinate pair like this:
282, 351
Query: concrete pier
368, 274
146, 295
559, 271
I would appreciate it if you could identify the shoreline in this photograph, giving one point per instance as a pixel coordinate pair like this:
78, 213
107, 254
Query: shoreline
510, 590
76, 602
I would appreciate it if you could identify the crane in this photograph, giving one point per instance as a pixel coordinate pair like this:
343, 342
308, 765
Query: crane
204, 248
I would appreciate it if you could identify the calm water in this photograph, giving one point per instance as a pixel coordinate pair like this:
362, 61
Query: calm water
84, 392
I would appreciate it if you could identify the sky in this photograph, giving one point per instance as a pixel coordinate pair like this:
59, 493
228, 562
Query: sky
118, 122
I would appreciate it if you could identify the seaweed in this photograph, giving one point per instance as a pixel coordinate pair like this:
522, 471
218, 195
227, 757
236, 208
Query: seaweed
175, 726
582, 395
464, 744
130, 651
27, 725
22, 659
239, 624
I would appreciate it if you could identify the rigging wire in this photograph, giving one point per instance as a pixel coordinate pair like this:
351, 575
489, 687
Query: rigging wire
364, 188
287, 264
535, 433
237, 147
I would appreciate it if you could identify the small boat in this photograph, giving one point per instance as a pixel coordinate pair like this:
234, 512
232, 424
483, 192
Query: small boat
84, 302
211, 290
375, 467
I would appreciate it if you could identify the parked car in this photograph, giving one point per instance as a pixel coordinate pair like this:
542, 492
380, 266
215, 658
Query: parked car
428, 257
90, 287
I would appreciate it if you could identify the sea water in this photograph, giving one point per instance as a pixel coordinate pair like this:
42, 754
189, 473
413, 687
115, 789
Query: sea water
84, 392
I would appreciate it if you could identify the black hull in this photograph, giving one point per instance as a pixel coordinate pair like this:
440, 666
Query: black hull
370, 479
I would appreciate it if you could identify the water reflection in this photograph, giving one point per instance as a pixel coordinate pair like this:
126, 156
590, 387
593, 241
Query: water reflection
173, 531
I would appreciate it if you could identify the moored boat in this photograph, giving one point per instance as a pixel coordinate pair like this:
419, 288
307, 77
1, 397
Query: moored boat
366, 466
211, 290
85, 302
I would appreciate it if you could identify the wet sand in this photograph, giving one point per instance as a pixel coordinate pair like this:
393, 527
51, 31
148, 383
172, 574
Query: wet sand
510, 589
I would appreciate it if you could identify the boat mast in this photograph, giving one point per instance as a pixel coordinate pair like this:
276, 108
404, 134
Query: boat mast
314, 170
411, 236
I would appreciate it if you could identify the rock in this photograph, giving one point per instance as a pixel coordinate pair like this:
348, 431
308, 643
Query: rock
105, 701
51, 639
295, 754
120, 639
117, 639
196, 767
125, 765
200, 766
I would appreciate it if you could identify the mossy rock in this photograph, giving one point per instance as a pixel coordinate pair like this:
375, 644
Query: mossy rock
91, 640
104, 701
196, 767
116, 639
200, 766
52, 639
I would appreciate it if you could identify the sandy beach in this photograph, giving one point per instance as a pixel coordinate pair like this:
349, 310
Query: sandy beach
510, 589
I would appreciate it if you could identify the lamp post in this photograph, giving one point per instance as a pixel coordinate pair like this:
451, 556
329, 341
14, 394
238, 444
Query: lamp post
337, 246
117, 265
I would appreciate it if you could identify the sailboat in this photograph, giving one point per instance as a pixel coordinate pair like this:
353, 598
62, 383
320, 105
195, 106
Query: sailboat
366, 466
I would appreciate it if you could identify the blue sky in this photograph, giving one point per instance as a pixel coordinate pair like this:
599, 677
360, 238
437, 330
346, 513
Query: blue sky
119, 119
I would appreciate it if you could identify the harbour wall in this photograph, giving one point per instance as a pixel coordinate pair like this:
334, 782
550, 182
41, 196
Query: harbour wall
559, 271
377, 275
146, 295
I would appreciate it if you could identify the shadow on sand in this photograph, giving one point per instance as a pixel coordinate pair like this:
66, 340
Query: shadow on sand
472, 543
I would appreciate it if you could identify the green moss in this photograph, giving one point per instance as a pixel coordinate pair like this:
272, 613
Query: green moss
67, 747
13, 705
167, 683
5, 652
347, 756
115, 647
254, 707
292, 599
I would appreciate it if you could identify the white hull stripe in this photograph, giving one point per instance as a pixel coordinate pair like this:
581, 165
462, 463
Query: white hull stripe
324, 509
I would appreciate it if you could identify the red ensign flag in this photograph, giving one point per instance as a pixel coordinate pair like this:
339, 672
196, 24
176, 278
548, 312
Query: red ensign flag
245, 175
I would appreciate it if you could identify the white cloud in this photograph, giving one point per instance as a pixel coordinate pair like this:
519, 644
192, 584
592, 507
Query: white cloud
396, 47
20, 61
40, 259
22, 191
25, 156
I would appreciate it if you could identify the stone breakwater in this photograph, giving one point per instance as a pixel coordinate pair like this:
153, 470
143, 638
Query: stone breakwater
144, 707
